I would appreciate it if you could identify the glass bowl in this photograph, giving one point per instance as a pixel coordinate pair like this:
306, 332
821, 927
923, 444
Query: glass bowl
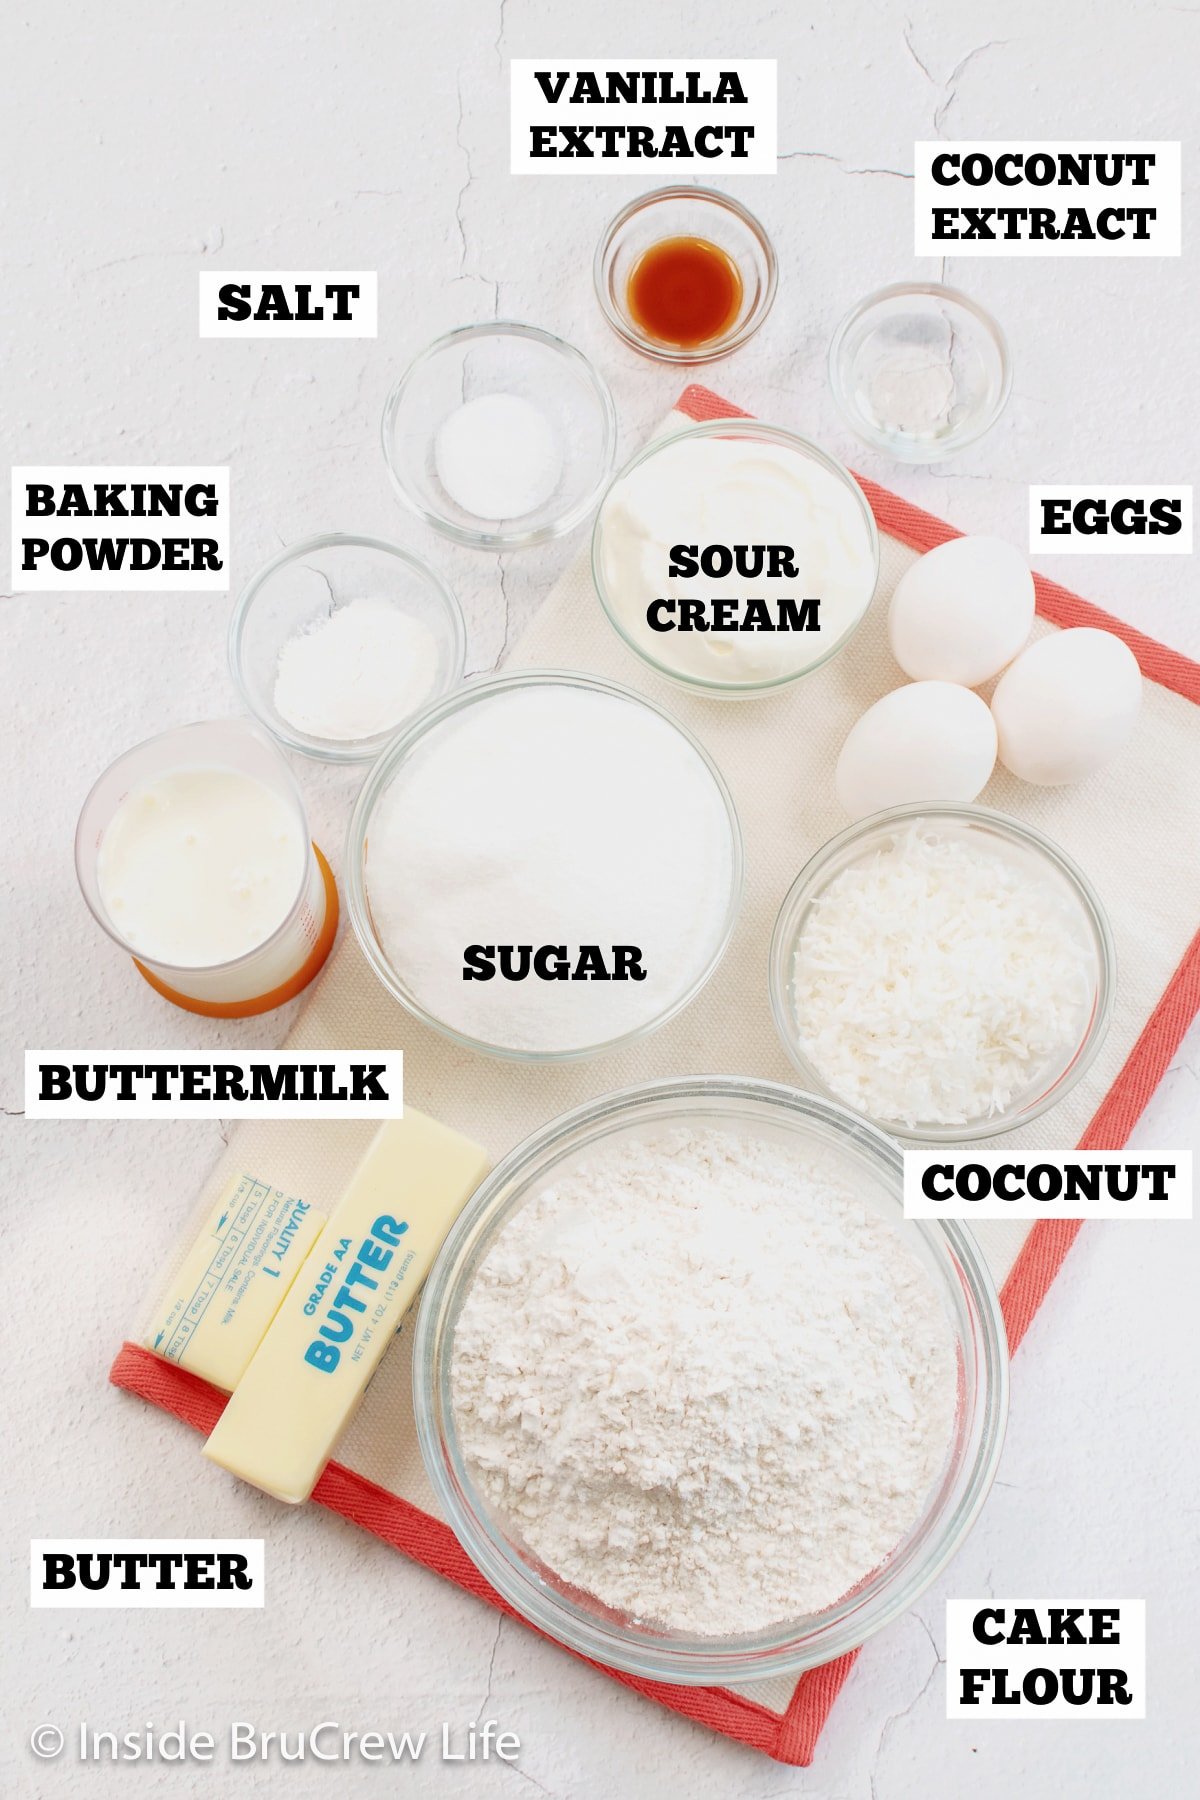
414, 739
510, 359
1016, 842
919, 371
307, 583
673, 212
948, 1251
751, 431
272, 971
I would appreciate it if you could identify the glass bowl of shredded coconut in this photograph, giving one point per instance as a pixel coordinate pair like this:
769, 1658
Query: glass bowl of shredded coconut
946, 971
500, 436
339, 640
695, 1397
544, 865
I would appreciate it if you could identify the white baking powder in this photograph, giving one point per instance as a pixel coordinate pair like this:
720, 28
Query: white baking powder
357, 672
703, 1381
550, 816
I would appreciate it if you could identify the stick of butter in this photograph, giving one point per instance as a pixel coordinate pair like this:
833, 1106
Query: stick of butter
219, 1304
309, 1373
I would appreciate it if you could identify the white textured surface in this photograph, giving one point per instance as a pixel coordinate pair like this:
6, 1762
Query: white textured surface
148, 142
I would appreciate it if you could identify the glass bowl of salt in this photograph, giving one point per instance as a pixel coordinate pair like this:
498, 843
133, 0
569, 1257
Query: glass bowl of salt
340, 639
500, 436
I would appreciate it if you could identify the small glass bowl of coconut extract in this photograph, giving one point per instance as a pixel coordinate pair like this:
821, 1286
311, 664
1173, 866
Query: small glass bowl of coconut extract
919, 371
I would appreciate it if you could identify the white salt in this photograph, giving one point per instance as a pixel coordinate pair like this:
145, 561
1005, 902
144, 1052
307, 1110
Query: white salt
498, 457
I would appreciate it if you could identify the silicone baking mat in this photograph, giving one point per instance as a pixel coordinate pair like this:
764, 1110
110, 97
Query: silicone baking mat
1135, 829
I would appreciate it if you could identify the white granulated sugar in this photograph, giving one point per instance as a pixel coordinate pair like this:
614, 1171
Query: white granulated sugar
359, 671
702, 1381
937, 980
549, 816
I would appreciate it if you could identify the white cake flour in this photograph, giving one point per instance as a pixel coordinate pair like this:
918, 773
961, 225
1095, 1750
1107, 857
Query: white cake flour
550, 816
704, 1382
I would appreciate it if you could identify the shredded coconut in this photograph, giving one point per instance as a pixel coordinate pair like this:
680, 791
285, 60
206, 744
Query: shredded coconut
359, 671
703, 1382
936, 981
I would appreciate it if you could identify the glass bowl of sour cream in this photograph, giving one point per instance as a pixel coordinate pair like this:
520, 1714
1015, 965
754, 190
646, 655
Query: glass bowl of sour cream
735, 557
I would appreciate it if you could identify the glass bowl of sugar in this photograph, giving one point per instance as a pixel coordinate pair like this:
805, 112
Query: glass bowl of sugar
543, 866
338, 640
500, 436
766, 1408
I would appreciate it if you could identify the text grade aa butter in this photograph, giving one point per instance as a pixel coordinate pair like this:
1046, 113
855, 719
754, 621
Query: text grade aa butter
218, 1306
312, 1367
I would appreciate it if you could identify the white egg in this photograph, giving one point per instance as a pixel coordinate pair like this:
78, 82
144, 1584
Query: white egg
1068, 703
962, 611
929, 741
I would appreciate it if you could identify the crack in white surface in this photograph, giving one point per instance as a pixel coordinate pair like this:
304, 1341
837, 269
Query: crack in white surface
502, 583
355, 401
926, 1628
846, 169
466, 274
503, 575
480, 1711
235, 449
135, 256
952, 79
948, 85
515, 1769
907, 34
895, 1718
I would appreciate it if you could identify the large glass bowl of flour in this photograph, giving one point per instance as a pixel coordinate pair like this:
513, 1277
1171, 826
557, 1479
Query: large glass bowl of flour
682, 1357
544, 865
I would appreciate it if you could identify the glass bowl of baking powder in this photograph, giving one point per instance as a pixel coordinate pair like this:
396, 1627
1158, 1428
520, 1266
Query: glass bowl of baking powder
563, 1240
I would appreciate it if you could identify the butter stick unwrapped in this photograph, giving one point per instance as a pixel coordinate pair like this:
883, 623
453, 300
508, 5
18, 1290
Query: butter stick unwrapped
219, 1304
309, 1373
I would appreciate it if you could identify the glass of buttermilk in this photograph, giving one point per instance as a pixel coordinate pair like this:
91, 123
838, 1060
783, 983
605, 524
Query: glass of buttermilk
193, 854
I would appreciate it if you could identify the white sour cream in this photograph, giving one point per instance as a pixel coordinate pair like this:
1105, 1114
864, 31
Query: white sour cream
706, 491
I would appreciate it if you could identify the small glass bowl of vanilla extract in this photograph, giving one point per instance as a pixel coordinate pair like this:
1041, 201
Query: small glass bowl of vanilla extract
685, 275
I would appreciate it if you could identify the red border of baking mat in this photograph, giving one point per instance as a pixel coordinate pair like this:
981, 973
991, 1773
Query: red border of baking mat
791, 1736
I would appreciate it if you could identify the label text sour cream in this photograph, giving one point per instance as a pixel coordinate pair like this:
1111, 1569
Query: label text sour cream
734, 560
